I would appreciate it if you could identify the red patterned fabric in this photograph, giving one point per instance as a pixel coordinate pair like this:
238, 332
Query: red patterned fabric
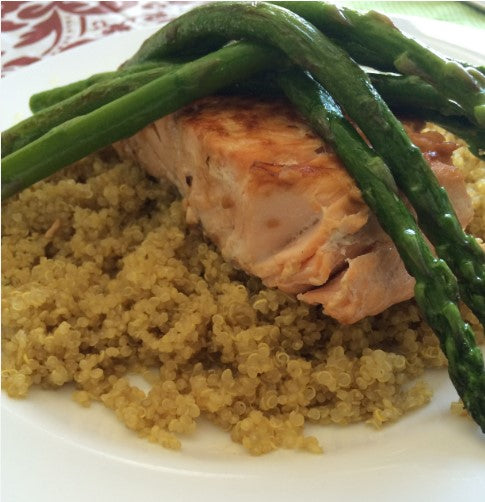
34, 30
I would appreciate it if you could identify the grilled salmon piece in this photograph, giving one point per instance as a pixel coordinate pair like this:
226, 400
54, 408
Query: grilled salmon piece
279, 204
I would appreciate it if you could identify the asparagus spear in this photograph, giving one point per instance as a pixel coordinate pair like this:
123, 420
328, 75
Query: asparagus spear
389, 49
436, 290
108, 87
128, 114
47, 98
383, 62
348, 84
404, 90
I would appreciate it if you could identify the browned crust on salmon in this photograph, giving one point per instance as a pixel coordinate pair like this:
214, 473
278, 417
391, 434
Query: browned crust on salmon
279, 203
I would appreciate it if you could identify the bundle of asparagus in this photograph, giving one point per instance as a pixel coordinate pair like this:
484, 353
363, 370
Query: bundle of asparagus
314, 69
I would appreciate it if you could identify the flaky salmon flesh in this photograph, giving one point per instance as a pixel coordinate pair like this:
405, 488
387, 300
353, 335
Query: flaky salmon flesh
279, 204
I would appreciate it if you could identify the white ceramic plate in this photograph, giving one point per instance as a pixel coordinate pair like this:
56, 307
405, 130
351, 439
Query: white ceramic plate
54, 450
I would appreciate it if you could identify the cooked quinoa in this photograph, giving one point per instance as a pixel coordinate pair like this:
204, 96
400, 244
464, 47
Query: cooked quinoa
102, 280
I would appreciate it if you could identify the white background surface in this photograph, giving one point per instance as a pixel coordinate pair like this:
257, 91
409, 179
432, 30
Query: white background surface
54, 450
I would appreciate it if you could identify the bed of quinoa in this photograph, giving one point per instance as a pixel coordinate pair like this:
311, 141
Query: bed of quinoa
102, 279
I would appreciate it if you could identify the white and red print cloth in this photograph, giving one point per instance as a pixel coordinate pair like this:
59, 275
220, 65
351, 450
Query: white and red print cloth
33, 30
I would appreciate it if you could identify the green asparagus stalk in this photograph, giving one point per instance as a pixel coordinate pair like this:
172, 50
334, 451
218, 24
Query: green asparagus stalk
388, 49
106, 89
383, 62
404, 90
348, 84
436, 290
128, 114
44, 99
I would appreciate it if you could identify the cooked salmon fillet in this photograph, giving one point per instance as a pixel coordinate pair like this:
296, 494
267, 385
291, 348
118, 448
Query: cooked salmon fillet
279, 204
